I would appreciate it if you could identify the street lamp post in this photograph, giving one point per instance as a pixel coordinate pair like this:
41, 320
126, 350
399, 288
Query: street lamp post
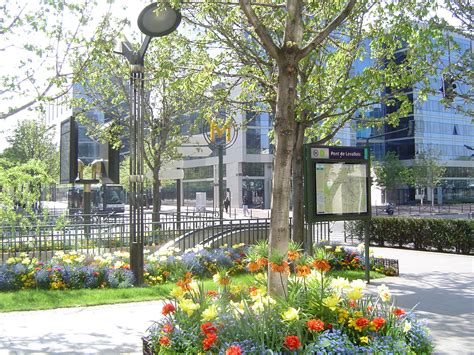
153, 22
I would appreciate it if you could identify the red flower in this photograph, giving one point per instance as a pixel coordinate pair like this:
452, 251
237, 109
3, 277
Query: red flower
352, 303
167, 328
329, 326
316, 325
398, 312
167, 309
164, 341
378, 322
208, 328
362, 322
210, 339
292, 342
234, 350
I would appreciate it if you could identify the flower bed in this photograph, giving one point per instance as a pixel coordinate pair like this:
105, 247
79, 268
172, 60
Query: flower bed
75, 270
318, 314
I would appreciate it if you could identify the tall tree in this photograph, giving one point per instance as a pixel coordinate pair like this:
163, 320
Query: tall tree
389, 172
265, 46
33, 140
425, 172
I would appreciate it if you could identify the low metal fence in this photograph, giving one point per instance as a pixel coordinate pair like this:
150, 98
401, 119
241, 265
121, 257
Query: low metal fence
109, 233
428, 209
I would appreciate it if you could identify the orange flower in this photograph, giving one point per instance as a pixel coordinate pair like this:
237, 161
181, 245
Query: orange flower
302, 270
352, 303
292, 342
293, 255
362, 322
234, 350
315, 325
253, 266
211, 293
398, 312
321, 265
378, 322
167, 328
164, 341
224, 281
210, 339
283, 267
370, 308
262, 262
253, 290
184, 283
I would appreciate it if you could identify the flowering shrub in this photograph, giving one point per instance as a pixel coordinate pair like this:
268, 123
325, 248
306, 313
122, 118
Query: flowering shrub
319, 314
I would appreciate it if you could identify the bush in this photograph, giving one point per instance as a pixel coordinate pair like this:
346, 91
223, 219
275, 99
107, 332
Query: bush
419, 233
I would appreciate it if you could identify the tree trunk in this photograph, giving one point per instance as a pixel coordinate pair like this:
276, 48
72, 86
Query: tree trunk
298, 201
285, 135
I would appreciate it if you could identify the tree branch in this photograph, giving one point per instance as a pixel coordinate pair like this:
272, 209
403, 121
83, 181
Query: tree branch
325, 32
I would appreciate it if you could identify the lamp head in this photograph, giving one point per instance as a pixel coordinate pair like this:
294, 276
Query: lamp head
155, 23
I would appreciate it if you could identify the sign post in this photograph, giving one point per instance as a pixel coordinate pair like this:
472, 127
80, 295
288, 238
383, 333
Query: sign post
337, 186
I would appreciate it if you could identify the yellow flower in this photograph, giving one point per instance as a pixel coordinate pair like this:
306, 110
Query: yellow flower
331, 301
406, 327
177, 292
291, 314
342, 315
209, 313
384, 293
338, 249
11, 261
354, 294
188, 306
364, 340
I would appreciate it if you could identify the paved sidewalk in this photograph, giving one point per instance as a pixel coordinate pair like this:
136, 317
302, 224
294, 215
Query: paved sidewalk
441, 284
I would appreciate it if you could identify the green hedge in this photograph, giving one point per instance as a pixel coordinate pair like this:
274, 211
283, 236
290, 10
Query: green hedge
419, 233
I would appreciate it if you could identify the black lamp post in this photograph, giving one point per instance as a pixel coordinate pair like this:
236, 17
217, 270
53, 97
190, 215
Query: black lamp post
153, 22
227, 135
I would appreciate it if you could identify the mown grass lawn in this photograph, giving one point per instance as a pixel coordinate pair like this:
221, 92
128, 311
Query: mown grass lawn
29, 300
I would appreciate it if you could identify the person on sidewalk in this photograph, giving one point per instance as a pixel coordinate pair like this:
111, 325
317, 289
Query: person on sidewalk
245, 206
226, 204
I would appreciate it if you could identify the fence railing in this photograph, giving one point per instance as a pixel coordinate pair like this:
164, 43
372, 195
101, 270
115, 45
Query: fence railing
108, 233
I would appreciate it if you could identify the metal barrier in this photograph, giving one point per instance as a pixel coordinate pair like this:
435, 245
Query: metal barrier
111, 232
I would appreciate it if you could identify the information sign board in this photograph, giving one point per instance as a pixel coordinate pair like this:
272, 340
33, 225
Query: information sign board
337, 183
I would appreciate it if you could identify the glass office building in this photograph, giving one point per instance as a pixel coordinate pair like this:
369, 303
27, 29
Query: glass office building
439, 129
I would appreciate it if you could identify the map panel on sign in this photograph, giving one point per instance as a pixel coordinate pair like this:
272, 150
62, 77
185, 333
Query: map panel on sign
341, 188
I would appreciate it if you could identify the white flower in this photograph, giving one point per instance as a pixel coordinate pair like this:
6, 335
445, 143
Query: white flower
384, 293
340, 283
358, 285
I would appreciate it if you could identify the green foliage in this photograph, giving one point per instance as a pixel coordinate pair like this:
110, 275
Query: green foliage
420, 233
389, 171
32, 139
